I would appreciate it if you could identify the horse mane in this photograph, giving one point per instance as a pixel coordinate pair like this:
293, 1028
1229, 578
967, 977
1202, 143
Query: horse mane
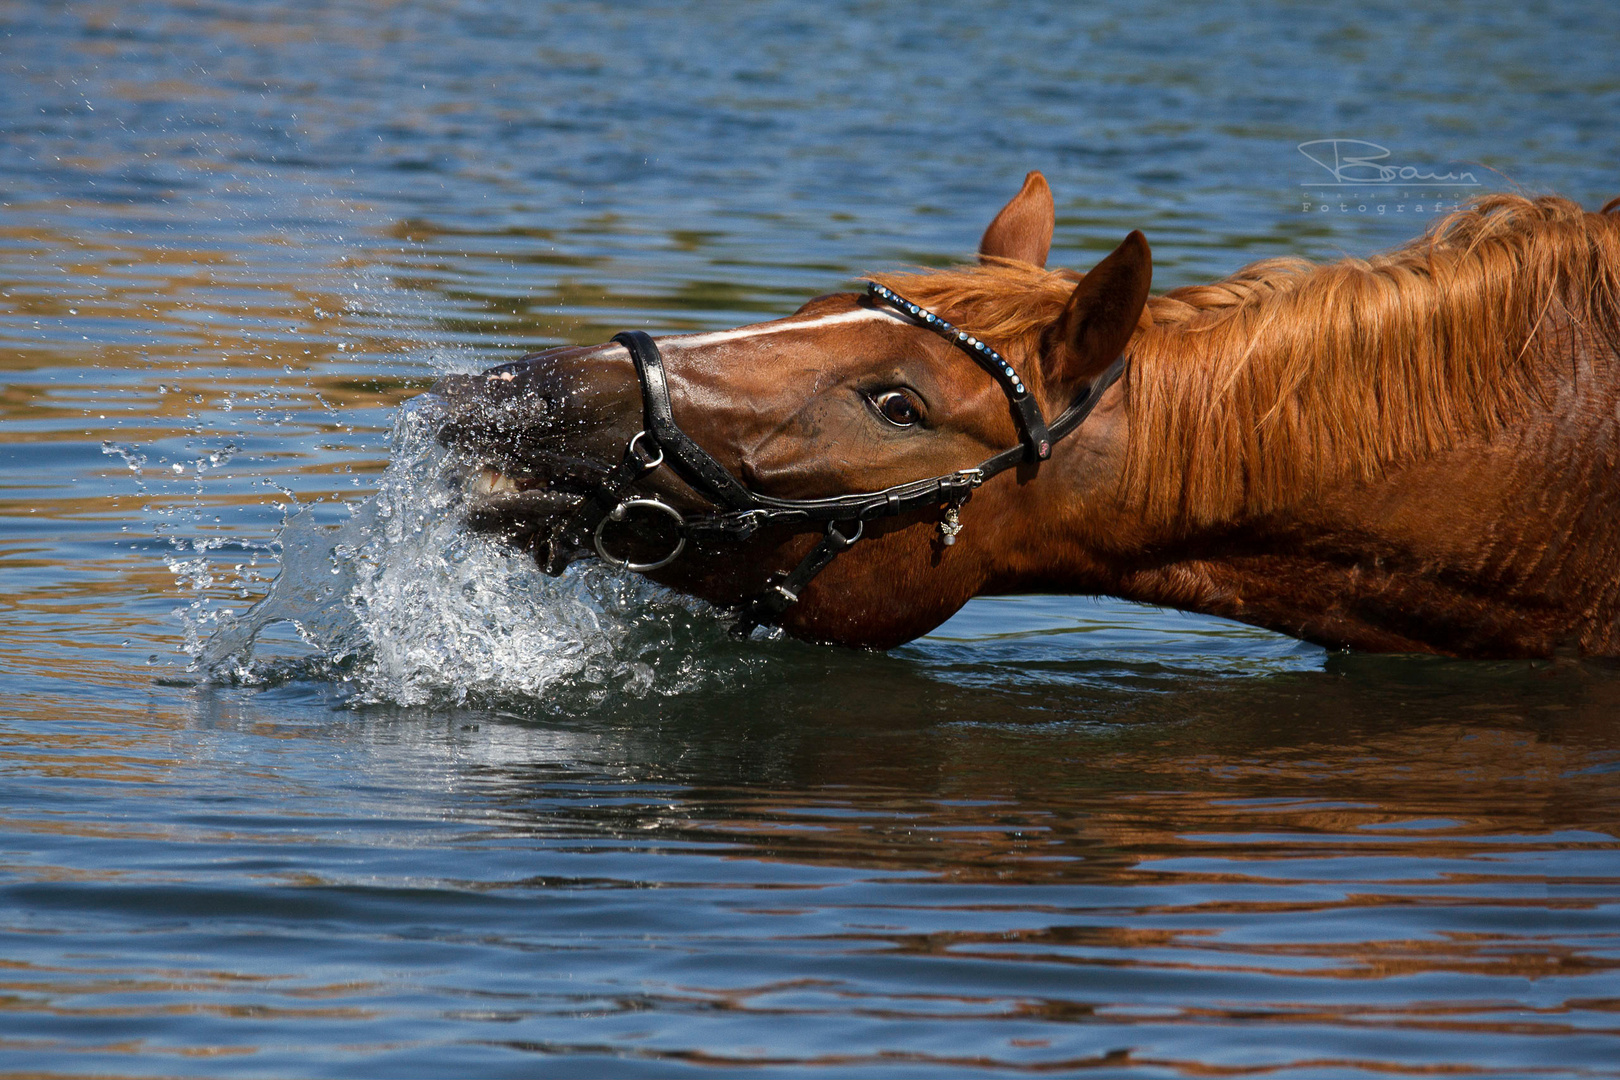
1262, 390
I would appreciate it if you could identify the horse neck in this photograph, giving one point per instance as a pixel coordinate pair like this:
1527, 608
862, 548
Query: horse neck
1502, 543
1353, 453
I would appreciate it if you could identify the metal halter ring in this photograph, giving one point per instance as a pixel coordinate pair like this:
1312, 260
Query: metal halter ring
646, 465
839, 541
621, 512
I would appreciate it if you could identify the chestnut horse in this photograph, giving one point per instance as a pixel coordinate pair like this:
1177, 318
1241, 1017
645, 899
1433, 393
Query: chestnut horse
1416, 452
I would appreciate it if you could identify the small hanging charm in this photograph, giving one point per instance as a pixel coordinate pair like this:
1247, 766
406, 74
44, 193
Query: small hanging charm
949, 525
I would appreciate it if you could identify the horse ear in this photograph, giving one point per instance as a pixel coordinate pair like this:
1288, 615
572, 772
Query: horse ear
1023, 229
1101, 315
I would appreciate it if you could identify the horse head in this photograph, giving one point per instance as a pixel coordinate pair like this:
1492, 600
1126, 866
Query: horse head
913, 418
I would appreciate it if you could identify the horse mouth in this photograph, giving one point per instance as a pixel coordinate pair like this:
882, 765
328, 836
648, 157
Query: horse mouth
527, 472
493, 483
522, 507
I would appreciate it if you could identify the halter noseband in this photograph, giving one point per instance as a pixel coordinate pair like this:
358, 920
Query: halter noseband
741, 512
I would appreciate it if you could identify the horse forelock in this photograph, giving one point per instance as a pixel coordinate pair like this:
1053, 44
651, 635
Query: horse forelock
1264, 389
1002, 301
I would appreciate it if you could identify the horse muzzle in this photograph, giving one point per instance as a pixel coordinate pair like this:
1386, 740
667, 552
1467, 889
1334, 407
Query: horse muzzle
548, 434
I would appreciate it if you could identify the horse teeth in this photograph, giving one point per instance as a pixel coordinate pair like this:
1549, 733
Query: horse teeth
491, 481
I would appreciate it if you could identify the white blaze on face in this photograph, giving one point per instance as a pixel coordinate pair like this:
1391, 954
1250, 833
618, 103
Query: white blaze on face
784, 326
678, 342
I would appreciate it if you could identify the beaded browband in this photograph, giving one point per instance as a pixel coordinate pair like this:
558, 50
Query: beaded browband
1031, 424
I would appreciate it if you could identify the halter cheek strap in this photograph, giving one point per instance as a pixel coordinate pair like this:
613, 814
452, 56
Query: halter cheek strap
658, 418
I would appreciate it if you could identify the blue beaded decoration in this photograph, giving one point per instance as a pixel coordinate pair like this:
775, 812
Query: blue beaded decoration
1030, 420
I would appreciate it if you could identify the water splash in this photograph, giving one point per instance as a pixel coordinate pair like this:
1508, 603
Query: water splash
404, 605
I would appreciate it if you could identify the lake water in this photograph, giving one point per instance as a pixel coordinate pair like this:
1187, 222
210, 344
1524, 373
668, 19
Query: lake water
476, 822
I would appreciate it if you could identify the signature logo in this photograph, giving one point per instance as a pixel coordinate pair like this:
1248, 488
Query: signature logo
1358, 163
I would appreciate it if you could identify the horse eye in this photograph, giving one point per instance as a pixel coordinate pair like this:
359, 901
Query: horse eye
896, 407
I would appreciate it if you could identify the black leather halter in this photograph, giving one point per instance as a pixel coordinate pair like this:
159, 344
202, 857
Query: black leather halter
740, 512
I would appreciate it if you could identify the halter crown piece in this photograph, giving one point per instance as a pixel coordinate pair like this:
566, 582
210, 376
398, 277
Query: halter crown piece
739, 512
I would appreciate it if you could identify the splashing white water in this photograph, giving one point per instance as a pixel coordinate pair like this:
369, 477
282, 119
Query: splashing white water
407, 606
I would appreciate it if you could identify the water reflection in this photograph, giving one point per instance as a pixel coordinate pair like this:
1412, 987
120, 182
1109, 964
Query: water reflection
1132, 884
